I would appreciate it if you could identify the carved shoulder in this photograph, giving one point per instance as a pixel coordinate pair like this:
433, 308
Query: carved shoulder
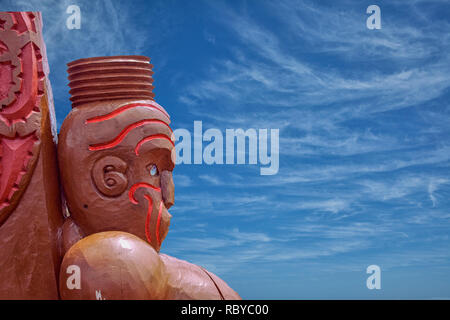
112, 265
225, 290
187, 281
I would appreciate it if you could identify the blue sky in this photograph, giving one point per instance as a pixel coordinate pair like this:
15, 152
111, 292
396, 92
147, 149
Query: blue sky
364, 135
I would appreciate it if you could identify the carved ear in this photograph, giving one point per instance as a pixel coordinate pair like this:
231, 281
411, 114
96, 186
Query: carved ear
108, 174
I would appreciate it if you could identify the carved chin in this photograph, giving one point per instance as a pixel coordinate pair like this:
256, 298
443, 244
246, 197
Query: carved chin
165, 224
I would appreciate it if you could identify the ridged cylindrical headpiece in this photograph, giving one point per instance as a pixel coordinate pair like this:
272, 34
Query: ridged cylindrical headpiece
110, 78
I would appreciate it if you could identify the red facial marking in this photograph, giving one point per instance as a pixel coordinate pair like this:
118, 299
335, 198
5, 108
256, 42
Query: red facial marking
137, 186
114, 142
152, 137
149, 216
149, 210
158, 222
150, 105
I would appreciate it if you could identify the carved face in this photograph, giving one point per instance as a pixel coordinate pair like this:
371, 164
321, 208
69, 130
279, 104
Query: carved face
116, 164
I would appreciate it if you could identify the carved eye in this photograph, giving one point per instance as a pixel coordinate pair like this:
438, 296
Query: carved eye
153, 170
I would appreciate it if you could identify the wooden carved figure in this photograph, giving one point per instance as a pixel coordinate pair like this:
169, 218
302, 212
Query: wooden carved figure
116, 155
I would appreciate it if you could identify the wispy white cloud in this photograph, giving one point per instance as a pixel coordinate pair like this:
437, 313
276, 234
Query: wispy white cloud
433, 185
248, 236
182, 180
277, 70
210, 179
322, 205
393, 188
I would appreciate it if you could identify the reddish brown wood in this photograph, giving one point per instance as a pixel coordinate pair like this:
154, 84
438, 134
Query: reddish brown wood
30, 216
116, 156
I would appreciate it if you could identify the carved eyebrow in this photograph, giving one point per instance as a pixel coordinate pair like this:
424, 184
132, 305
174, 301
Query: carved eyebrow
152, 137
114, 142
124, 108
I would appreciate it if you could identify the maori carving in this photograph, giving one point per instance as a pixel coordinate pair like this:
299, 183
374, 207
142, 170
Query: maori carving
107, 168
21, 88
116, 155
30, 208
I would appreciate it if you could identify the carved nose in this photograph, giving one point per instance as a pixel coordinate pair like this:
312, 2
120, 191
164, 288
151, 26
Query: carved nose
167, 188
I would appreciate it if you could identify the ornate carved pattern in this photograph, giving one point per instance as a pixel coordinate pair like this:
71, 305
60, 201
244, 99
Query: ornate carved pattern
21, 90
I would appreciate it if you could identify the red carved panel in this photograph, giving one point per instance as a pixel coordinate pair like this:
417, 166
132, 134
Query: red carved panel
15, 155
21, 90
